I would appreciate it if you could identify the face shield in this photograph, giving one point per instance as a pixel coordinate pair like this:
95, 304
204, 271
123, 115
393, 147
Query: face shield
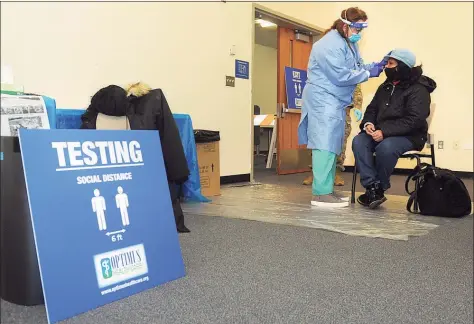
357, 27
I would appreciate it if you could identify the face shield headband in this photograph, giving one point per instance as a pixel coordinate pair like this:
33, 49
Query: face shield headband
356, 25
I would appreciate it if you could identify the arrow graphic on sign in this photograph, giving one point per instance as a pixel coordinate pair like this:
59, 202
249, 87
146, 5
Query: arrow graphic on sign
116, 232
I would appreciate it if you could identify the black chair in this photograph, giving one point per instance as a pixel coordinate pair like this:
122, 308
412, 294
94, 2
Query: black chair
408, 155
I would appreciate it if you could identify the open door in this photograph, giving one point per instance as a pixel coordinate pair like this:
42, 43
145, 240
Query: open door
294, 53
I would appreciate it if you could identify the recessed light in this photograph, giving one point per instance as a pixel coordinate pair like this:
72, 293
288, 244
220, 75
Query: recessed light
265, 23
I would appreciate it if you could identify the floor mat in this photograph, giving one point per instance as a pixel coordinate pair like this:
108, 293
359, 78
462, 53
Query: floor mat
290, 206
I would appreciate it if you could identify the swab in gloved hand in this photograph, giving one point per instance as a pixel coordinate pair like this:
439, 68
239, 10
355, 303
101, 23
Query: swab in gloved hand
376, 70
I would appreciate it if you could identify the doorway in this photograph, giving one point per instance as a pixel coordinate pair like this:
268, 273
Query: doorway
281, 53
264, 93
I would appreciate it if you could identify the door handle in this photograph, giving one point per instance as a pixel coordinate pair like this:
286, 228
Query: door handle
281, 110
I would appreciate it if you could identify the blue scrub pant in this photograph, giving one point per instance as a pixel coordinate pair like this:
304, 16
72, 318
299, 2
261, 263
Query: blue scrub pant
379, 169
324, 172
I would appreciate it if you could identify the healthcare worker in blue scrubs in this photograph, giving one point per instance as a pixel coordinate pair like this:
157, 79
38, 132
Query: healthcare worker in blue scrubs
334, 70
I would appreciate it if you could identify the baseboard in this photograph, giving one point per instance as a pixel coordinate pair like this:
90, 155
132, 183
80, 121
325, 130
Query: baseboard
235, 178
460, 174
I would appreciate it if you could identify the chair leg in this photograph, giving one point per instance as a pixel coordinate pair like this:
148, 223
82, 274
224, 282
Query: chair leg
417, 184
433, 163
354, 182
415, 204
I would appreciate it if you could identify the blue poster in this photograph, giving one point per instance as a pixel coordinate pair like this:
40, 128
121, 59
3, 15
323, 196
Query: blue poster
295, 80
242, 69
102, 216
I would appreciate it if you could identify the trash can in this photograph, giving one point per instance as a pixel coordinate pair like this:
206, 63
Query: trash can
20, 281
206, 136
207, 146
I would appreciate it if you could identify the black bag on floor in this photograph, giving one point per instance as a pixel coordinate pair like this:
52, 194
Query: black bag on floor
439, 192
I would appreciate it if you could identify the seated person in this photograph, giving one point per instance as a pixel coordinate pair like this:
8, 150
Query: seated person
394, 123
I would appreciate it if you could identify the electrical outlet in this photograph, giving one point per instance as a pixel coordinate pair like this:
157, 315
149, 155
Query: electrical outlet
456, 145
440, 145
467, 146
230, 81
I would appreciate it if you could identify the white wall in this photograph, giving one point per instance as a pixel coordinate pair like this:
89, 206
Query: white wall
264, 83
441, 35
69, 50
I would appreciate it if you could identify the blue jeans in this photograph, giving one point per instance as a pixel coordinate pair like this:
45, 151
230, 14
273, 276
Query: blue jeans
379, 169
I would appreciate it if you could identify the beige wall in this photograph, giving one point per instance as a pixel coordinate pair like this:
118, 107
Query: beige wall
441, 35
264, 83
70, 50
447, 57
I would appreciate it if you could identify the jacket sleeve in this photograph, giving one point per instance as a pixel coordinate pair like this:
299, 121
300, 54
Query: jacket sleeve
333, 64
417, 111
371, 112
173, 153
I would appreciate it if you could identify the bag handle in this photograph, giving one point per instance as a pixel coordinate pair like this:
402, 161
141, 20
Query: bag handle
418, 171
410, 202
412, 174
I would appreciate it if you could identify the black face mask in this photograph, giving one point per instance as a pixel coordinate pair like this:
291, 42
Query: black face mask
399, 73
392, 74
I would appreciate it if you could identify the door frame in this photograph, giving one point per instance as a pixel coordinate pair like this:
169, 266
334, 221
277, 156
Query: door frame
284, 21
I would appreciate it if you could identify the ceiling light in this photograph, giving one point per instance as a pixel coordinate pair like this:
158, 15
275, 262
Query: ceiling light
265, 23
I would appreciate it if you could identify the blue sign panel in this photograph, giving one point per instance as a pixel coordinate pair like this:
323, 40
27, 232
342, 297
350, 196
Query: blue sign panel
295, 80
102, 216
242, 69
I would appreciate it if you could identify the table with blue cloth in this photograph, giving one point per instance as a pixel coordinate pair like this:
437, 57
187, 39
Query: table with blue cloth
191, 190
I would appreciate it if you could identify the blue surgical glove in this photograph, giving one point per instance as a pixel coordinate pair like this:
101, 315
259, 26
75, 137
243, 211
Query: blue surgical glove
385, 60
357, 114
376, 70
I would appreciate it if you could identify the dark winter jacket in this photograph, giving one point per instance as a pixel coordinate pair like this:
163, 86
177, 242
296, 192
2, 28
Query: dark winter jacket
402, 110
146, 110
151, 111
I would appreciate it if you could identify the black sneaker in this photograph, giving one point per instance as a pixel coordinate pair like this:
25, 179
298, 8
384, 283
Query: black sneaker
376, 196
364, 199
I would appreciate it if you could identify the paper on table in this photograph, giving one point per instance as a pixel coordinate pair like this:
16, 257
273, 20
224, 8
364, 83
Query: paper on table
258, 119
22, 112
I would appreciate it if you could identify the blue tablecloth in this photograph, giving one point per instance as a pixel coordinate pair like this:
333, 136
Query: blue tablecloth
71, 119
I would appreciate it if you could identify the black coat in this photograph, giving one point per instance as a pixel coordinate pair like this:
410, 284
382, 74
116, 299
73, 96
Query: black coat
148, 112
152, 111
402, 110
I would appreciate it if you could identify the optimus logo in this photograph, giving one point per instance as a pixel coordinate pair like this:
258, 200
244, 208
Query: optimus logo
120, 265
